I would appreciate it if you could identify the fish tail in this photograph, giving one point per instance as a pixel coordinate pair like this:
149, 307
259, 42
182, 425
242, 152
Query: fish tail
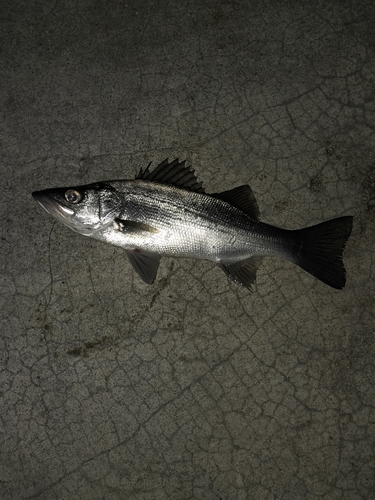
321, 248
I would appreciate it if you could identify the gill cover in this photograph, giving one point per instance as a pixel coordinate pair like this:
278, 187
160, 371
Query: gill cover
97, 207
109, 205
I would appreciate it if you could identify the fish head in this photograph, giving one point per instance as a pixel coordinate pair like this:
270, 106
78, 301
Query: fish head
85, 209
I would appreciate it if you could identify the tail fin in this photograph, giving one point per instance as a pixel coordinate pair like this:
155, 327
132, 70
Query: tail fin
320, 253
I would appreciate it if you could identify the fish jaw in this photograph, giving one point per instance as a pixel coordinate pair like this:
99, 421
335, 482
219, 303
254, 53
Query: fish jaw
58, 211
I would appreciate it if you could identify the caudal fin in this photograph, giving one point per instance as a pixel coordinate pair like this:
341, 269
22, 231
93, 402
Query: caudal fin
321, 250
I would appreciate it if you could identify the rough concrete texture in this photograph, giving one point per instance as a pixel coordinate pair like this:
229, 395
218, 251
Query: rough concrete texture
192, 388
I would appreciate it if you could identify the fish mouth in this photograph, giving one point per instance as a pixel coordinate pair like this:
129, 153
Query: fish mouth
52, 206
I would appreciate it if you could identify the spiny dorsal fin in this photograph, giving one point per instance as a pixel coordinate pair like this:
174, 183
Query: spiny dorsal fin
243, 272
174, 173
242, 198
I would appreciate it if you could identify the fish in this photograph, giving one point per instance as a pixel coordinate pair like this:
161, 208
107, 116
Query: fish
167, 212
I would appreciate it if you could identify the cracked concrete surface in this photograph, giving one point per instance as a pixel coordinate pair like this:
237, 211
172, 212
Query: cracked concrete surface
192, 388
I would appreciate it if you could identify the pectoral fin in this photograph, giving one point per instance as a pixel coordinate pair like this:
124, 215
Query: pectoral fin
145, 263
129, 226
243, 272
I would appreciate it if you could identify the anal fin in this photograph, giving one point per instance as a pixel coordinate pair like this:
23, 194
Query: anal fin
242, 272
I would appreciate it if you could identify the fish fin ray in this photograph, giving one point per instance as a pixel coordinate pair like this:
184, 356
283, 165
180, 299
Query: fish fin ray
145, 263
144, 172
242, 272
175, 173
241, 197
320, 252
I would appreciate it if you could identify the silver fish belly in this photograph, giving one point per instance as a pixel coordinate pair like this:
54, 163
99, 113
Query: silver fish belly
167, 212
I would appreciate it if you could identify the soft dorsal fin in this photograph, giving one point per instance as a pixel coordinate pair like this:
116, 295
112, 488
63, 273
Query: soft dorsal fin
242, 198
174, 173
243, 272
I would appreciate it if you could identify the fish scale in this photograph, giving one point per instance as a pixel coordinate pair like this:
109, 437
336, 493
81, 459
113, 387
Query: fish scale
216, 223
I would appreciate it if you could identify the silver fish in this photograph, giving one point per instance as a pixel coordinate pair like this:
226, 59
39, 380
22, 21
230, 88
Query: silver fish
167, 212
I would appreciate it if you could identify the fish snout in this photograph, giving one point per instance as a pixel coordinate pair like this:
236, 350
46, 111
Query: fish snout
52, 206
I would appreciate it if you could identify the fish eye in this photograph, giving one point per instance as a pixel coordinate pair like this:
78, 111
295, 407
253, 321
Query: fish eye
73, 196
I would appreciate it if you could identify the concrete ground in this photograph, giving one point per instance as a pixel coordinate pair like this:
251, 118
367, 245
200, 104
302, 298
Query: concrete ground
192, 388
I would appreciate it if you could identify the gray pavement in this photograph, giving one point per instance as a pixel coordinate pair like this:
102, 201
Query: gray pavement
192, 388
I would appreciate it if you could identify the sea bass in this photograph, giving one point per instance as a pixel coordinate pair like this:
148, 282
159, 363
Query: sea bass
167, 212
